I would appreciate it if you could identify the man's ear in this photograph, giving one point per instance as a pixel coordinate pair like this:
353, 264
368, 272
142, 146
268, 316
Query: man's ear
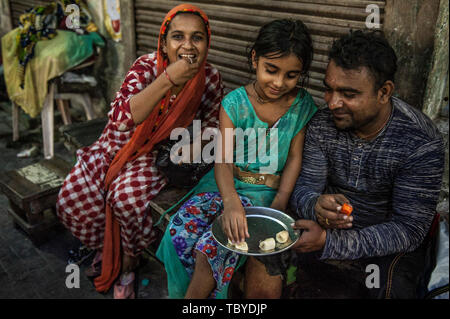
385, 92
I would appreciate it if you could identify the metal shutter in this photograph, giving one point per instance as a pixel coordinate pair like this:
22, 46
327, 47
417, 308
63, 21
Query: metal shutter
18, 7
234, 25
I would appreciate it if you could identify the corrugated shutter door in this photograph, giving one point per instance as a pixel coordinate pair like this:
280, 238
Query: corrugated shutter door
235, 23
18, 7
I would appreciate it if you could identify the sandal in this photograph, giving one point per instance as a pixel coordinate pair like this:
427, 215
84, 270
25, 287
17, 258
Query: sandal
95, 269
79, 255
125, 286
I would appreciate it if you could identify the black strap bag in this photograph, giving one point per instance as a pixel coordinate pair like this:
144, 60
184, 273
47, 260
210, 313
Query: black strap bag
185, 175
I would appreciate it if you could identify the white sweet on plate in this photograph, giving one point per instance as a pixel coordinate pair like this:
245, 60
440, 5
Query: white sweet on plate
267, 244
241, 246
282, 236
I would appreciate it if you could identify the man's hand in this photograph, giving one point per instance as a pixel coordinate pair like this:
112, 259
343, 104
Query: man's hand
313, 237
327, 211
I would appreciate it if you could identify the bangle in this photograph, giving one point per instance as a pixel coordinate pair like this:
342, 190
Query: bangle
168, 78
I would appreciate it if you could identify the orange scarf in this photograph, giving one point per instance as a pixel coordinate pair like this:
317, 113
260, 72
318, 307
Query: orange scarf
145, 137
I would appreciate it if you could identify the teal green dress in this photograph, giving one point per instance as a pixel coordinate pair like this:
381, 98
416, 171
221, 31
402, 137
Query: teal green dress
189, 228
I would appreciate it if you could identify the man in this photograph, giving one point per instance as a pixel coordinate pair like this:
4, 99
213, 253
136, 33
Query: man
380, 155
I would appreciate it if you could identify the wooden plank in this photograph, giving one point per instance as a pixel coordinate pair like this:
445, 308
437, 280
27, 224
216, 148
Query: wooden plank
235, 23
164, 200
38, 232
343, 10
57, 165
34, 181
84, 133
17, 188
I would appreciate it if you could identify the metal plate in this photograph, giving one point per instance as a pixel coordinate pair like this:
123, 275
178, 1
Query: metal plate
262, 223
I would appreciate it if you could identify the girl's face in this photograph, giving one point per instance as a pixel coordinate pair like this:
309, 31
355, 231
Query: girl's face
186, 39
277, 76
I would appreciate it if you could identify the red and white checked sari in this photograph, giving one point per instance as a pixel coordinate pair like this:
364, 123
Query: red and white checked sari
81, 200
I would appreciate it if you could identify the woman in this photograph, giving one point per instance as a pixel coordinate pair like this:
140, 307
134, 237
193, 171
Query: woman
103, 201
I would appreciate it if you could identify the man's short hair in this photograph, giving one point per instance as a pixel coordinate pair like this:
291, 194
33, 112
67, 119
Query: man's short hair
366, 49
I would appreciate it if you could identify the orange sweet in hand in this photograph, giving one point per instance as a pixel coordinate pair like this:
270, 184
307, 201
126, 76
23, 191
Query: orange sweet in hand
346, 209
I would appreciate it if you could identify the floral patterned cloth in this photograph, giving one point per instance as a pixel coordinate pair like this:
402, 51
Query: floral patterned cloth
190, 230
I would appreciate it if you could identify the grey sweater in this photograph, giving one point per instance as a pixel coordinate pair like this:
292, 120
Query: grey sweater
393, 182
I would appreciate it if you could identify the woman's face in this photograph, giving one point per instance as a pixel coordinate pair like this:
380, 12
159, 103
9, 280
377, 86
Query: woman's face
186, 39
277, 76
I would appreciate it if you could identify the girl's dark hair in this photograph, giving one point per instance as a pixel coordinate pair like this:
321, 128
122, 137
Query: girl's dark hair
282, 37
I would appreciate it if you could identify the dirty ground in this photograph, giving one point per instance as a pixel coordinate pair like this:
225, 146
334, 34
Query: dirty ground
27, 271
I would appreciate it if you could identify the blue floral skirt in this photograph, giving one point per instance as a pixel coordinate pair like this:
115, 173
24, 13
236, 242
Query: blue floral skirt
190, 231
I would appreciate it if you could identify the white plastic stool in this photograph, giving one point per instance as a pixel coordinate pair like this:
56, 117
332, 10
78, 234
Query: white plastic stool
47, 115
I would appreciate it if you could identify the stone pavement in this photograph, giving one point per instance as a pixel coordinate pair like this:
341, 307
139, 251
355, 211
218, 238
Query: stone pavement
27, 271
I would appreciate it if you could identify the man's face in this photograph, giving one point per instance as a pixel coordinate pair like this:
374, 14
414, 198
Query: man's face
351, 97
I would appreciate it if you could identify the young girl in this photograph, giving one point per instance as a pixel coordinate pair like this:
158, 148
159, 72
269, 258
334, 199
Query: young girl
197, 266
104, 199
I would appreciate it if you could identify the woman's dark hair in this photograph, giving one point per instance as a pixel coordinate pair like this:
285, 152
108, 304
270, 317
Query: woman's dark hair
282, 37
366, 49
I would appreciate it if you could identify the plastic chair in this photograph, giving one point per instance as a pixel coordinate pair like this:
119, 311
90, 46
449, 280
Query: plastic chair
47, 113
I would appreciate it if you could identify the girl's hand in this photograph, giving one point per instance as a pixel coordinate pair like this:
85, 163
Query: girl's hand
278, 206
182, 71
234, 223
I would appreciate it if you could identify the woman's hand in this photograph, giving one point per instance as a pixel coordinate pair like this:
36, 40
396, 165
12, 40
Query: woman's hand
182, 71
234, 223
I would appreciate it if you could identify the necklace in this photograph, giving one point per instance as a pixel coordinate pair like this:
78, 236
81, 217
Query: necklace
371, 135
258, 97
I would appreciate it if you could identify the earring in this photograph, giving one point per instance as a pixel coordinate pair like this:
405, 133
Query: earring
254, 60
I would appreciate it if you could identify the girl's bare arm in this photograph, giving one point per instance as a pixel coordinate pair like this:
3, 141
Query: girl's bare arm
290, 172
234, 221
